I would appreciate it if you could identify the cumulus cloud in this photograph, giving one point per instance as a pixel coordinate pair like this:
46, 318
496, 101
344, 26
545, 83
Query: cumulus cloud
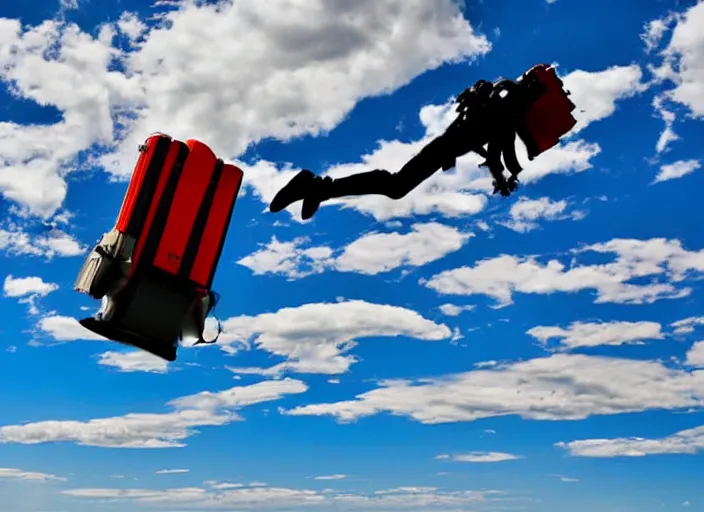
155, 430
17, 242
317, 338
677, 170
559, 387
681, 66
690, 441
695, 355
133, 361
371, 254
68, 4
172, 471
65, 328
18, 474
595, 334
28, 290
668, 135
566, 479
20, 287
278, 498
312, 338
525, 214
454, 310
683, 57
504, 275
479, 457
74, 78
311, 74
687, 325
131, 26
596, 93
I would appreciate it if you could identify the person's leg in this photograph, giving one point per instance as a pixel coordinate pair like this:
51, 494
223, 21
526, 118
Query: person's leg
314, 190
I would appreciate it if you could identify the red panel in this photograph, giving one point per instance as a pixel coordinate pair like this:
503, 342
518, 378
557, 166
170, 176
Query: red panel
135, 185
168, 165
189, 194
550, 116
216, 227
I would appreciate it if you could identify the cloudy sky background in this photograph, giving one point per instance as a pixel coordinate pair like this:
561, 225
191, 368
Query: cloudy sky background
451, 351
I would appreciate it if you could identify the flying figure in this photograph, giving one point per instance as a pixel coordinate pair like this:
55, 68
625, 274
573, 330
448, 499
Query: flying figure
535, 108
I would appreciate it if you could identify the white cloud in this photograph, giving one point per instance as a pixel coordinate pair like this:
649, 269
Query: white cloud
687, 325
276, 498
595, 334
682, 65
134, 361
19, 287
683, 62
131, 26
317, 338
525, 213
291, 259
311, 74
17, 242
480, 457
28, 290
655, 30
74, 78
155, 430
677, 170
380, 252
172, 471
454, 310
18, 474
566, 479
695, 355
560, 387
371, 254
213, 484
68, 4
690, 441
668, 135
65, 328
330, 477
504, 275
406, 489
597, 93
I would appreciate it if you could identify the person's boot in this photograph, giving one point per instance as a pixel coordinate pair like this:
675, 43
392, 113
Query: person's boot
317, 192
295, 190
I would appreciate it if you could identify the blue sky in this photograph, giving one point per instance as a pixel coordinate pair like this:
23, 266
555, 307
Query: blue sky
452, 351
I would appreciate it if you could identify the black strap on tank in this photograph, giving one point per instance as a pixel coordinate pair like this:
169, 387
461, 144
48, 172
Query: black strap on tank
223, 237
156, 229
199, 224
161, 216
155, 168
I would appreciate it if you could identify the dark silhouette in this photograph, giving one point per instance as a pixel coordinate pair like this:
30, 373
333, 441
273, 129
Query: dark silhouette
535, 108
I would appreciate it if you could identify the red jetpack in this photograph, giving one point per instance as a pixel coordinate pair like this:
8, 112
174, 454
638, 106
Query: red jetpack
154, 270
549, 116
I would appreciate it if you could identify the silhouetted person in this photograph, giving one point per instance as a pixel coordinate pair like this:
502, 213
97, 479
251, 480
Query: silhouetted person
488, 114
